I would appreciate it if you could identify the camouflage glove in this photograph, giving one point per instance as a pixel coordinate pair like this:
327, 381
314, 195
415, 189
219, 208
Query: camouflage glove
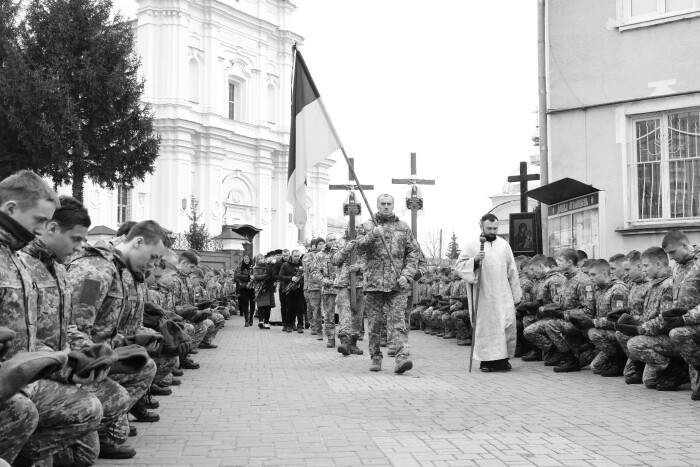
581, 321
627, 325
614, 316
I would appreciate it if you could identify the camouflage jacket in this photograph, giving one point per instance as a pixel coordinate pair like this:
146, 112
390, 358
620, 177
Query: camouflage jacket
659, 299
214, 289
201, 293
161, 296
313, 278
56, 329
609, 298
380, 275
551, 287
638, 296
577, 295
536, 287
458, 290
183, 290
17, 295
341, 259
527, 287
104, 294
329, 269
686, 288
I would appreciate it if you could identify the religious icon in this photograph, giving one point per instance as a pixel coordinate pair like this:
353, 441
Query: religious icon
523, 233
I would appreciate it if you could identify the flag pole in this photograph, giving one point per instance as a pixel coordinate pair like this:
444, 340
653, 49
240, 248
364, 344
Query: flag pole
362, 192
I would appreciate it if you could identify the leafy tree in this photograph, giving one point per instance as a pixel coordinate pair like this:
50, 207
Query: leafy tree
198, 235
69, 95
453, 250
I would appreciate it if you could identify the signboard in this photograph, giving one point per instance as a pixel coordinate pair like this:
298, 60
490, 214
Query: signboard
414, 204
583, 202
352, 208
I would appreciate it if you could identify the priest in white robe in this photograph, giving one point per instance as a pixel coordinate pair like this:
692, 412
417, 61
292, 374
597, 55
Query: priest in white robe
499, 292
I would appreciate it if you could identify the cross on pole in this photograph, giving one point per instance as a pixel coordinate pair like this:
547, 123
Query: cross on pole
413, 181
523, 178
353, 208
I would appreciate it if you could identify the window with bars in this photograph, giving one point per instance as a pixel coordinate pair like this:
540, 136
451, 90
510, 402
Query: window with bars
123, 204
231, 101
642, 10
666, 166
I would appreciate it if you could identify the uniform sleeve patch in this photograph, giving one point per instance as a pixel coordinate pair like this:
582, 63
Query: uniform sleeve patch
89, 292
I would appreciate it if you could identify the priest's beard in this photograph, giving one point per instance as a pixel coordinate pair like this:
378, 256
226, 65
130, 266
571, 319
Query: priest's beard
490, 237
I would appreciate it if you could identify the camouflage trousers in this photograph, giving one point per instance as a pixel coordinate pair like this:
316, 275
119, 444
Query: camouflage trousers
115, 400
164, 367
564, 336
138, 383
315, 310
389, 308
217, 324
538, 335
68, 420
656, 352
461, 324
623, 339
350, 323
416, 315
605, 342
328, 304
197, 331
224, 311
686, 339
448, 324
18, 420
427, 317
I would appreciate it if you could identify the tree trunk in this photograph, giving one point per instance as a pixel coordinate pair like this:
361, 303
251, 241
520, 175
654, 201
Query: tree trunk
78, 182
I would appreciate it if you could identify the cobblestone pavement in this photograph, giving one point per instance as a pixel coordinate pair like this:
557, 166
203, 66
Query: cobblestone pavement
268, 398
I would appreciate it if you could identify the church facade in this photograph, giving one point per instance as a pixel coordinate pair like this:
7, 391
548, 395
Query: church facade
218, 78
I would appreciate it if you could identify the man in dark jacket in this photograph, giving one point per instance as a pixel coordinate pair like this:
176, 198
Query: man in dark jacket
290, 272
282, 295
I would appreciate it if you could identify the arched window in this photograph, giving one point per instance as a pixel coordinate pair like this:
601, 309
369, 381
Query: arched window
194, 80
271, 103
235, 95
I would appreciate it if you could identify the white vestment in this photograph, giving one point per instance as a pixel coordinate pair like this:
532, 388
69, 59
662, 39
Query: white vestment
499, 291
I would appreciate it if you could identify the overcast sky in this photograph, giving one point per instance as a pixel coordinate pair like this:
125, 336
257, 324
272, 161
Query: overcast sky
453, 80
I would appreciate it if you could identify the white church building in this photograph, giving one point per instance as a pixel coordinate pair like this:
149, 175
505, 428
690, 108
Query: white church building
218, 77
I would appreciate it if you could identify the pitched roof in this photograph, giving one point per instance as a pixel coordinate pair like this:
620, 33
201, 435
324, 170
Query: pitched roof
102, 230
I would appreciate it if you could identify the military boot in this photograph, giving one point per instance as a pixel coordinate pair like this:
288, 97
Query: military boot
552, 358
449, 335
616, 368
535, 355
354, 349
376, 364
391, 352
382, 342
568, 363
331, 342
344, 346
403, 364
463, 342
114, 451
636, 377
141, 413
675, 375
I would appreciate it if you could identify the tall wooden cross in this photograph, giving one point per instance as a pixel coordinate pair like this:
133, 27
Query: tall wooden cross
523, 178
414, 204
352, 209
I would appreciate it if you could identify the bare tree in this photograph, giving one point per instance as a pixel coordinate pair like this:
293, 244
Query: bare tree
429, 242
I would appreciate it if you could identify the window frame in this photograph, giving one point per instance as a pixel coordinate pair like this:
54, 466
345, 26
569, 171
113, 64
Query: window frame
231, 108
124, 192
627, 21
664, 165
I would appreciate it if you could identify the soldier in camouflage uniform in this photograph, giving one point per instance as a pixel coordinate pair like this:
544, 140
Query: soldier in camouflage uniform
552, 282
313, 280
652, 342
385, 291
523, 346
577, 297
441, 288
658, 299
198, 280
44, 256
350, 323
108, 305
66, 413
611, 295
453, 322
328, 292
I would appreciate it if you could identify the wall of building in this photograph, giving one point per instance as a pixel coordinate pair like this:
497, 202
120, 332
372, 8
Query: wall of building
591, 62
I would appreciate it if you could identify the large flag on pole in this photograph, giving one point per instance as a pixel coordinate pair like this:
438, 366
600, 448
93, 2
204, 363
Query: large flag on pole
313, 137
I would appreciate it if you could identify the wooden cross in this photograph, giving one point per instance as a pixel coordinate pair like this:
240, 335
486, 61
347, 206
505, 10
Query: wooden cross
353, 210
523, 178
414, 181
